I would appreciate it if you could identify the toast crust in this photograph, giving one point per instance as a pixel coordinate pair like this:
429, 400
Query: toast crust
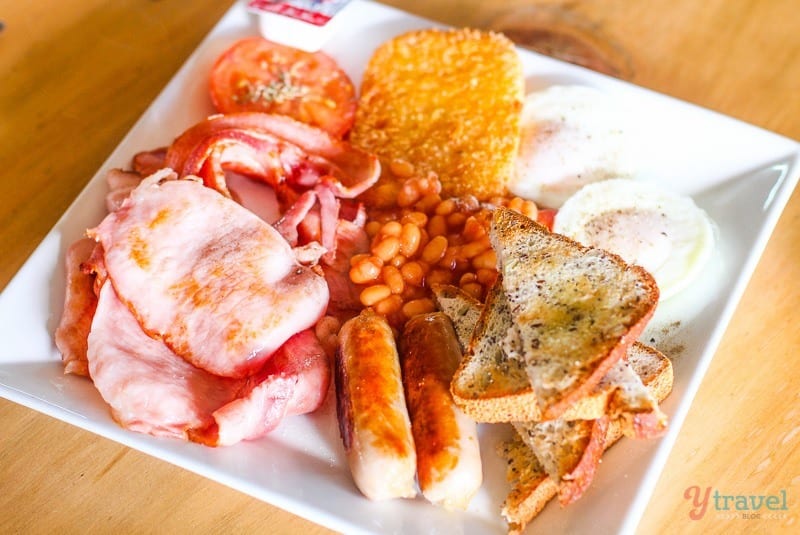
520, 404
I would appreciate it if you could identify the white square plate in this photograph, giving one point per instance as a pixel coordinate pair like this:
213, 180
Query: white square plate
741, 175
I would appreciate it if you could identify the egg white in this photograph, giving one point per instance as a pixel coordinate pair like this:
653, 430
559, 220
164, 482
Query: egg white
661, 231
570, 136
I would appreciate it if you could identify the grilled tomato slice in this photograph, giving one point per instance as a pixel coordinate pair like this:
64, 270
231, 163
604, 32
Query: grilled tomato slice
258, 75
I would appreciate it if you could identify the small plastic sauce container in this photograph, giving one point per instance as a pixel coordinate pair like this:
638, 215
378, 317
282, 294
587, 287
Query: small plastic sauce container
303, 24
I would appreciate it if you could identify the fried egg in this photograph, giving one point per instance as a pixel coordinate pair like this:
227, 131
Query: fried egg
661, 231
570, 136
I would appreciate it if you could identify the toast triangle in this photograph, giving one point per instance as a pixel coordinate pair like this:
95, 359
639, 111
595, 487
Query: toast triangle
575, 309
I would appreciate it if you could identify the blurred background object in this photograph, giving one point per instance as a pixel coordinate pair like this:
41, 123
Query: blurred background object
557, 30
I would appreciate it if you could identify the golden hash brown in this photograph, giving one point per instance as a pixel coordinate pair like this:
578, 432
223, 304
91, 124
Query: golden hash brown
447, 101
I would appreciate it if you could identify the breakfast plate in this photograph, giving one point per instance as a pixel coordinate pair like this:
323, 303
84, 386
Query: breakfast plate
740, 175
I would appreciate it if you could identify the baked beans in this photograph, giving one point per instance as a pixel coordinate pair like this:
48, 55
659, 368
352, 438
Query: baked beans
422, 240
375, 293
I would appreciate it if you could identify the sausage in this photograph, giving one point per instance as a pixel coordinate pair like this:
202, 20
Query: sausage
448, 454
373, 418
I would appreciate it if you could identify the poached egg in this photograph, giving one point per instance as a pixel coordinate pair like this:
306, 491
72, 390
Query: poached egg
664, 232
571, 136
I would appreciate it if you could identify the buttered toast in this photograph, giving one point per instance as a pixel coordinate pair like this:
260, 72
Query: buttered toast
564, 319
555, 456
490, 387
462, 309
568, 450
531, 487
575, 309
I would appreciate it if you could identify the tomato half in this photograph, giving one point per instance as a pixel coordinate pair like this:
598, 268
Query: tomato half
259, 75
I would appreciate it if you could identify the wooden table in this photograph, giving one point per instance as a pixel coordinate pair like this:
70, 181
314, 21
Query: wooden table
76, 74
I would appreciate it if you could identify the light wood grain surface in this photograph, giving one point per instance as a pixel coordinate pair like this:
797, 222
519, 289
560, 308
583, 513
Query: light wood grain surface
76, 74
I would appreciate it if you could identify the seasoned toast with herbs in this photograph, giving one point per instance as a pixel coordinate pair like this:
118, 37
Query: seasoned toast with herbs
563, 319
531, 485
462, 309
568, 450
575, 309
490, 387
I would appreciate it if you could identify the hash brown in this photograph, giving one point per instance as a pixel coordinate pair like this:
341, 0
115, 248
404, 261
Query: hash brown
448, 102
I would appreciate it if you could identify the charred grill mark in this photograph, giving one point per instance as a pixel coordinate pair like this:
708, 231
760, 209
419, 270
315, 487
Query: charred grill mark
344, 408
